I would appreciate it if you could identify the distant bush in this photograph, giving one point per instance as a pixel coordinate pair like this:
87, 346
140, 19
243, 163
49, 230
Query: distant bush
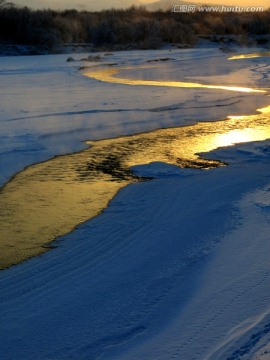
134, 27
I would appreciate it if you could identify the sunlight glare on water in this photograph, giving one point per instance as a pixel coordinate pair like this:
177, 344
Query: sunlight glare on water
265, 110
239, 136
250, 56
108, 75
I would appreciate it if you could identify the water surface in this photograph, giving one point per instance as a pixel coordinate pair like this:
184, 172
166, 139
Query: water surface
108, 75
250, 55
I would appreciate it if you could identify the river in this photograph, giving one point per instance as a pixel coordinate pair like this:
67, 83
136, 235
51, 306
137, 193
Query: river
50, 199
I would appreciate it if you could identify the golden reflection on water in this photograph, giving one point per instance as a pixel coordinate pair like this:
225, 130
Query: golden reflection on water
108, 75
49, 199
265, 110
250, 56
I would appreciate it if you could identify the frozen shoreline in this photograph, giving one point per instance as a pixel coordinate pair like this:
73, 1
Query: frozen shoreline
137, 281
143, 274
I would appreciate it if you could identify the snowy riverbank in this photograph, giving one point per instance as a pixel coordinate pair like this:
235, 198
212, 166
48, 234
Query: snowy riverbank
176, 267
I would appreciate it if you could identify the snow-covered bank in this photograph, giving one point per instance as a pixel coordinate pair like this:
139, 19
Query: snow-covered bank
174, 268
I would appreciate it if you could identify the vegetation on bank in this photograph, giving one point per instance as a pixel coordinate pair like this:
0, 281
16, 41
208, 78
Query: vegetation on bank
123, 28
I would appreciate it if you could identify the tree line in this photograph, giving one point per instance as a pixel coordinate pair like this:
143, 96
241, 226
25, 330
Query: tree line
133, 26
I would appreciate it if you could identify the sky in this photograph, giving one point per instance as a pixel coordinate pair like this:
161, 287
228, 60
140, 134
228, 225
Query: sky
105, 4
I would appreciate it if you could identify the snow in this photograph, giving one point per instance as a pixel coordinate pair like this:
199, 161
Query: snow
48, 108
174, 268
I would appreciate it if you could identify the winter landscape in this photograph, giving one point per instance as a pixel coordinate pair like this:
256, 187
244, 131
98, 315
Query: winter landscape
135, 205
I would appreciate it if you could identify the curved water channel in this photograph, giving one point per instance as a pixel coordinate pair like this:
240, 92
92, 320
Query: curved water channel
250, 56
50, 199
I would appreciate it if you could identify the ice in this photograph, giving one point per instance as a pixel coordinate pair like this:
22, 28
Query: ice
174, 268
